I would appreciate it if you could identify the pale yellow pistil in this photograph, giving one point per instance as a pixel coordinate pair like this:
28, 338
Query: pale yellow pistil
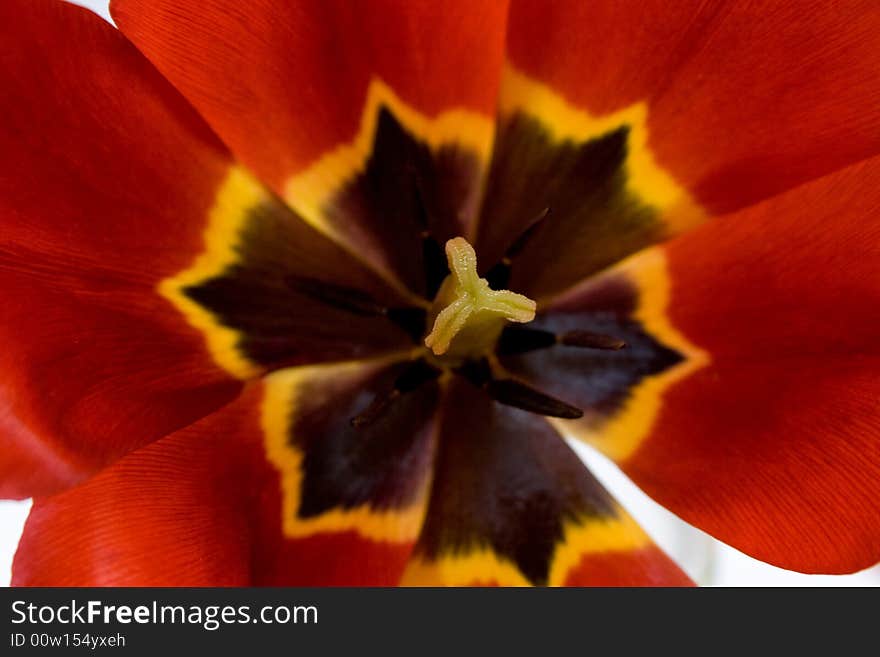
468, 315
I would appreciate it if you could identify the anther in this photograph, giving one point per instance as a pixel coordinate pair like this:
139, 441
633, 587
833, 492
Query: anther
411, 320
590, 340
513, 393
520, 340
436, 269
499, 274
432, 253
376, 409
345, 298
519, 243
413, 377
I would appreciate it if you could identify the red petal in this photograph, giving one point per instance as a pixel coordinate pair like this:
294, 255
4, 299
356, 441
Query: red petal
743, 100
106, 176
626, 568
284, 82
244, 497
174, 513
768, 435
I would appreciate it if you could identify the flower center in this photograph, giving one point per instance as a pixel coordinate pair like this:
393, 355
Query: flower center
467, 316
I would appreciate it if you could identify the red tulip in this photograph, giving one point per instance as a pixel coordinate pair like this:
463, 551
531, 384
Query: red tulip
222, 253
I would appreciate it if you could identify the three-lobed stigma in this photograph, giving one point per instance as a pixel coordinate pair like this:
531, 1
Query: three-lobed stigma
468, 316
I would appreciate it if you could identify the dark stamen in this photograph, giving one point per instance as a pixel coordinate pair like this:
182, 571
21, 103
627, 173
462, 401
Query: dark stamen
375, 410
519, 395
418, 372
414, 376
499, 275
527, 234
590, 340
513, 393
476, 372
433, 257
436, 266
345, 298
519, 340
411, 320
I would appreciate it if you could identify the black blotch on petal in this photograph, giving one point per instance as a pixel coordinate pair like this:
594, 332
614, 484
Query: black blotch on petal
594, 220
598, 381
382, 463
295, 297
408, 191
504, 479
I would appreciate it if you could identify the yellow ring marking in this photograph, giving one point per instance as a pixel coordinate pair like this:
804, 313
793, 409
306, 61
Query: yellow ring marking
619, 437
239, 193
482, 566
565, 122
485, 566
595, 536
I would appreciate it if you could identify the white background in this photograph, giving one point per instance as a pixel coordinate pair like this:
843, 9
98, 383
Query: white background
706, 560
